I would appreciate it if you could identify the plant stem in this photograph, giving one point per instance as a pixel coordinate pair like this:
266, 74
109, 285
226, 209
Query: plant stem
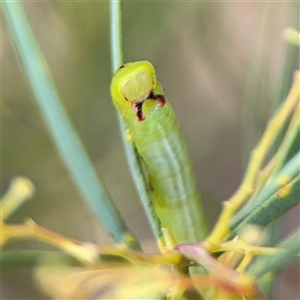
132, 154
221, 229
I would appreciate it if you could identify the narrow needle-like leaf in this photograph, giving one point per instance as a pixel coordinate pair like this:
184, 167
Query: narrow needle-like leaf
133, 157
60, 127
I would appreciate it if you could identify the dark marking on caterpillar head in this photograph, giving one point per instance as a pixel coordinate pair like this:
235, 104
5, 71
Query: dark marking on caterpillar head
160, 98
139, 110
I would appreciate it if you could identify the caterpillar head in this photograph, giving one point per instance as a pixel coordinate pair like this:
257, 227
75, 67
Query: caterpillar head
133, 82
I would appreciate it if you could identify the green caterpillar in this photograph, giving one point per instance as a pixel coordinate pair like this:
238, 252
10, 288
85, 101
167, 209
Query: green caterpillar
156, 134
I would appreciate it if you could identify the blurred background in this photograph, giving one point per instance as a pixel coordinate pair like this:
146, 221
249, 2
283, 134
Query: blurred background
224, 67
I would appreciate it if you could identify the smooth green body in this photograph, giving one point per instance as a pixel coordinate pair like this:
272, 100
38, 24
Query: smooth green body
160, 143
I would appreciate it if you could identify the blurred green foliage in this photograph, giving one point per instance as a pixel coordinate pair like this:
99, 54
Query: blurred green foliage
203, 53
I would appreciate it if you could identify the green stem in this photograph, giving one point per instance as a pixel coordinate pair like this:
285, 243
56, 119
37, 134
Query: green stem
290, 171
132, 155
273, 207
